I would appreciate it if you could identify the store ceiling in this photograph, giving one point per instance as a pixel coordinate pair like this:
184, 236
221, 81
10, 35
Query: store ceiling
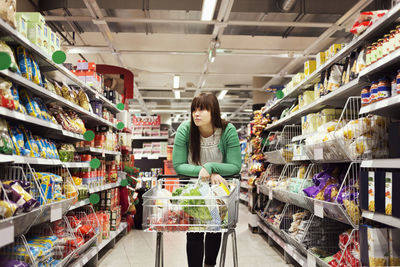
158, 39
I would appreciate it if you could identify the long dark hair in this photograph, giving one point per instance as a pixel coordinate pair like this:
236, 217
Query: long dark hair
204, 102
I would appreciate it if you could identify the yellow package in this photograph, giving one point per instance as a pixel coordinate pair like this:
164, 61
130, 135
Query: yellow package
326, 115
317, 88
334, 49
309, 67
320, 59
308, 97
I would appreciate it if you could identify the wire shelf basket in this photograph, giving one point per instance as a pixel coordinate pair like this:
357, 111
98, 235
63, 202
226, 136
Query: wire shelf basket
20, 251
282, 151
288, 174
270, 178
57, 187
352, 137
85, 225
17, 187
272, 215
337, 191
58, 240
203, 212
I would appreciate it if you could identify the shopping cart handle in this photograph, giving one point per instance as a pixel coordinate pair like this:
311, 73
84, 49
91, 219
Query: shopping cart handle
184, 177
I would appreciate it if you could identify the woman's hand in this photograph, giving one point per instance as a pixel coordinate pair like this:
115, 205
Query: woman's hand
203, 174
217, 179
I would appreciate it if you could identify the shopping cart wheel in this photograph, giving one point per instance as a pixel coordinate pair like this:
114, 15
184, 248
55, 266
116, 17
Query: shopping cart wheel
224, 245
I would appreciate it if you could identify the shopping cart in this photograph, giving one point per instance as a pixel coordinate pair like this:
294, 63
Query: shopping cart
191, 213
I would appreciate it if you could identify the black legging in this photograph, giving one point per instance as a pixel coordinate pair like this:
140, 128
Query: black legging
195, 248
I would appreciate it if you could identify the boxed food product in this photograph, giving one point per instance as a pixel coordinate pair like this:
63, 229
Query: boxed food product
380, 191
371, 191
320, 59
394, 247
22, 21
57, 45
309, 123
309, 67
378, 247
46, 33
327, 114
334, 49
35, 33
52, 41
298, 78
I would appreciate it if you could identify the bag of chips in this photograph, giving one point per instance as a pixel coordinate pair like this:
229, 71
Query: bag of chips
24, 62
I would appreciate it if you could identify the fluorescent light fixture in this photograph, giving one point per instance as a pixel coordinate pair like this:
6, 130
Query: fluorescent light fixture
222, 94
207, 11
177, 94
248, 110
176, 81
212, 54
135, 110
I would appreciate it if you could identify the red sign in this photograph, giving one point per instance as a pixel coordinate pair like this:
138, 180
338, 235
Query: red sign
146, 120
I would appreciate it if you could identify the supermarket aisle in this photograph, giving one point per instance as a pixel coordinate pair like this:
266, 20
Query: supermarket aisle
138, 249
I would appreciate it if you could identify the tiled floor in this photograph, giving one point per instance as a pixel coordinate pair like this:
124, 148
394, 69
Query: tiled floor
137, 249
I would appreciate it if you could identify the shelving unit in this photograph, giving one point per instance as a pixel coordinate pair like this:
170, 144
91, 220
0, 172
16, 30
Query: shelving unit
97, 151
385, 219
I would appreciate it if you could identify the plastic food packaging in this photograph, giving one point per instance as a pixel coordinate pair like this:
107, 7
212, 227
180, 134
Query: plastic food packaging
30, 104
67, 93
83, 100
5, 48
36, 76
24, 62
378, 250
365, 20
7, 13
7, 99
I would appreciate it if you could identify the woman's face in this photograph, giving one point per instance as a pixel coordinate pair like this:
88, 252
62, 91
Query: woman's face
201, 117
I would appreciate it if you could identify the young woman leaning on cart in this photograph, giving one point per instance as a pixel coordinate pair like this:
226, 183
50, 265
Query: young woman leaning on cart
206, 147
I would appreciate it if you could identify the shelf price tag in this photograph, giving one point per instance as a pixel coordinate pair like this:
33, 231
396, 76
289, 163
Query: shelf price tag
55, 213
318, 153
270, 195
7, 234
318, 209
311, 261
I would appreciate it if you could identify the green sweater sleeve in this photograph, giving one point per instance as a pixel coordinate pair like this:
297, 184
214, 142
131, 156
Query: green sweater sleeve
233, 158
180, 152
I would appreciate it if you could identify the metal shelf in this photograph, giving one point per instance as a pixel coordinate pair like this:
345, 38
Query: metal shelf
385, 107
382, 218
104, 187
80, 204
149, 137
46, 94
76, 164
389, 18
381, 163
97, 151
335, 98
290, 250
139, 157
35, 161
93, 251
47, 64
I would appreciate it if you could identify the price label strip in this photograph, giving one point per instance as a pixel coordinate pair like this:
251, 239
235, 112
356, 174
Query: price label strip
311, 261
319, 209
7, 234
318, 153
55, 213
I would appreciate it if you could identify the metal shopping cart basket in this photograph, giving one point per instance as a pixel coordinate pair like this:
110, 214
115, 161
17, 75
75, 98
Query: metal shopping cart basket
194, 213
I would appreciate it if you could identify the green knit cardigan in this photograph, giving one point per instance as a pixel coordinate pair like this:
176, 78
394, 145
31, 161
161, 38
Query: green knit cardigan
229, 146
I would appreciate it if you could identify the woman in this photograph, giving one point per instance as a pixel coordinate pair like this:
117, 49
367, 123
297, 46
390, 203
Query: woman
206, 147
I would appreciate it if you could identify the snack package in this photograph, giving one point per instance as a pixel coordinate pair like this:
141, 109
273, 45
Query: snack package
378, 247
67, 92
18, 140
48, 85
5, 48
365, 20
83, 100
334, 78
7, 99
7, 13
30, 143
24, 62
15, 95
6, 146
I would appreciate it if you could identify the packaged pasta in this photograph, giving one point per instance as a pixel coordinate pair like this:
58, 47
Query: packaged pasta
58, 89
17, 137
48, 85
378, 250
30, 104
6, 49
36, 76
24, 62
83, 100
30, 143
67, 92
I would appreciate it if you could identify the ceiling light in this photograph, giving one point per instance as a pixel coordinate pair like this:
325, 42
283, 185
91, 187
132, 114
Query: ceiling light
177, 94
207, 12
222, 94
176, 81
248, 110
134, 110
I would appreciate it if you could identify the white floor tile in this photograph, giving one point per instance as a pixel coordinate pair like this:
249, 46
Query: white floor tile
137, 249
